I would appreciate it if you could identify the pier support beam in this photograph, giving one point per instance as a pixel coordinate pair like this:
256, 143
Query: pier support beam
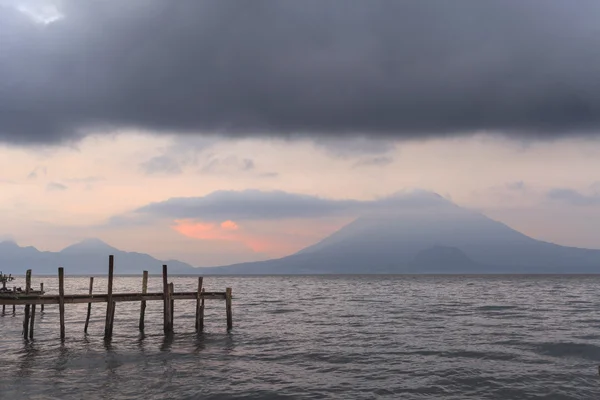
109, 302
27, 306
199, 307
61, 301
42, 291
168, 325
143, 305
89, 308
228, 307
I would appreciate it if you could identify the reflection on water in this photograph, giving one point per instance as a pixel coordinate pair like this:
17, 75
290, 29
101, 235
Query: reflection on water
321, 337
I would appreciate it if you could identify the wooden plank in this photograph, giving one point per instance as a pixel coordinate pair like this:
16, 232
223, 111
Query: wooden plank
198, 305
143, 303
42, 290
102, 298
61, 301
27, 306
89, 308
228, 308
168, 327
107, 327
32, 321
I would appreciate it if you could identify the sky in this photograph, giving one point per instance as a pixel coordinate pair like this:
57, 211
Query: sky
217, 132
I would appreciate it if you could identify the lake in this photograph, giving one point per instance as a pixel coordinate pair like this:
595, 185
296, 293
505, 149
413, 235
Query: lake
321, 337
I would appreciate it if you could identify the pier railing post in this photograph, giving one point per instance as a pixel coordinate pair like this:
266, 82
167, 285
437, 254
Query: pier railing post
61, 301
89, 307
26, 316
228, 307
109, 302
198, 305
168, 326
143, 305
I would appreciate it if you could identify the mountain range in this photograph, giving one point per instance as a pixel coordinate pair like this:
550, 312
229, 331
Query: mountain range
84, 258
419, 233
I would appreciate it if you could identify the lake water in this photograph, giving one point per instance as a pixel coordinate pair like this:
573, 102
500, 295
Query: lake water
321, 337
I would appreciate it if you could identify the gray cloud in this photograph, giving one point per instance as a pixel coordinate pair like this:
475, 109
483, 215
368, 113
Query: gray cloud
381, 68
163, 164
227, 164
269, 205
87, 180
56, 187
379, 161
573, 197
36, 171
517, 186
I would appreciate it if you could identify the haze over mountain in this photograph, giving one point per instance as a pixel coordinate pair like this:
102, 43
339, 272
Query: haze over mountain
87, 257
425, 233
420, 232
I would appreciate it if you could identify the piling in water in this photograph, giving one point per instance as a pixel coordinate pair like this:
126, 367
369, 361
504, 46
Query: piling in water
61, 301
168, 326
228, 307
89, 307
143, 303
109, 302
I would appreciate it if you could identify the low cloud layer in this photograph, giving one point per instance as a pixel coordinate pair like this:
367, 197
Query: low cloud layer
574, 198
256, 205
379, 68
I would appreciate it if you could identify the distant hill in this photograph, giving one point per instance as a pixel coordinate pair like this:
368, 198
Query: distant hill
84, 258
425, 233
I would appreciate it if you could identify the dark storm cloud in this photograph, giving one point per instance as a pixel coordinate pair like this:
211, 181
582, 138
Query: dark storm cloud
270, 205
378, 68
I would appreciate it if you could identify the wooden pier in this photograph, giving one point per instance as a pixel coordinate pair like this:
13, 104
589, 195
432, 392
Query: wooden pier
30, 299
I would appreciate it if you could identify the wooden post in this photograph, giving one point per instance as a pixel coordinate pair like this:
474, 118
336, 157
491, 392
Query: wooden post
228, 306
198, 304
26, 316
168, 326
61, 301
171, 291
3, 308
42, 291
143, 307
32, 321
14, 306
112, 318
89, 310
109, 302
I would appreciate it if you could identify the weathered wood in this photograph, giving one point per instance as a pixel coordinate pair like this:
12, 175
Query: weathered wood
228, 307
3, 308
168, 326
201, 320
109, 301
102, 298
198, 305
112, 318
61, 301
42, 290
171, 291
89, 307
27, 306
32, 321
143, 303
